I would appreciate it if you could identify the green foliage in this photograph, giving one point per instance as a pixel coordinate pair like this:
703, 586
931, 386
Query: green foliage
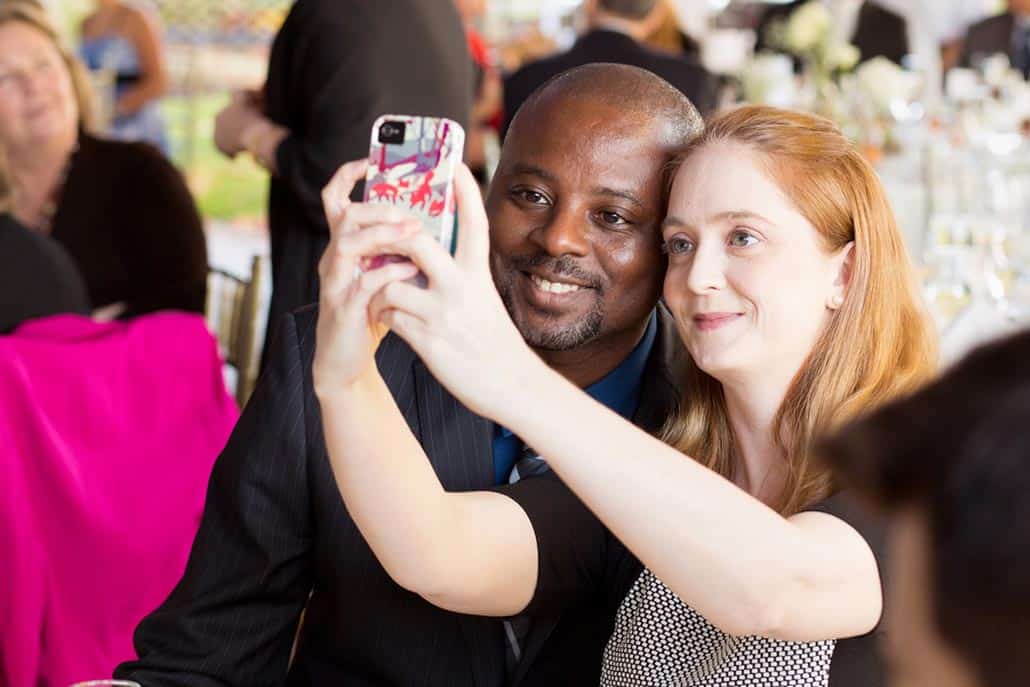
225, 189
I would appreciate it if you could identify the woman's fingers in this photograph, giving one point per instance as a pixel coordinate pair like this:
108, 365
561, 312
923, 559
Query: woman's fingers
340, 260
434, 260
336, 194
473, 228
371, 284
360, 215
418, 302
406, 326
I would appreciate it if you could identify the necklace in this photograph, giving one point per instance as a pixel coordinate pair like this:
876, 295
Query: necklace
48, 210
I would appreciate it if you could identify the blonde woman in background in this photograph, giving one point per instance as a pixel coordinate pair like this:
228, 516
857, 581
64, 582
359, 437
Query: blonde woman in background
795, 299
121, 210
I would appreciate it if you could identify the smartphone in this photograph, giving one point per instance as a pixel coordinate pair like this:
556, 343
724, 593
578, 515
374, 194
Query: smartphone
412, 163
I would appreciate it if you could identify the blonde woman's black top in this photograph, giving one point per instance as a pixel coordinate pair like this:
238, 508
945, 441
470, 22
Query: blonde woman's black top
130, 224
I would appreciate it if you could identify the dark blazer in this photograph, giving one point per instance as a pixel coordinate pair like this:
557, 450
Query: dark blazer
335, 66
275, 530
37, 277
127, 219
878, 31
990, 36
610, 46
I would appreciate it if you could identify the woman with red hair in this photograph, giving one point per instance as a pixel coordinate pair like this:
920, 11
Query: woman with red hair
796, 302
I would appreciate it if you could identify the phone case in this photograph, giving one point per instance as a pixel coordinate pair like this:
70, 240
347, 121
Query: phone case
417, 174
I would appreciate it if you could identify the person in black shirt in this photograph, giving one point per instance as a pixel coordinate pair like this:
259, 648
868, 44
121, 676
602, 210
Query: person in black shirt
783, 255
337, 65
1007, 33
121, 210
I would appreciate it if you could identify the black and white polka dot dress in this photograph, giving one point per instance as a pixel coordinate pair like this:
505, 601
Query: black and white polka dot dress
660, 641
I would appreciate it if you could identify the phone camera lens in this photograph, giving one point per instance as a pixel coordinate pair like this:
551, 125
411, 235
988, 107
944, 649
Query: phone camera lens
391, 132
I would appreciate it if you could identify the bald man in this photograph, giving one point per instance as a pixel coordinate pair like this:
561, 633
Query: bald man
578, 193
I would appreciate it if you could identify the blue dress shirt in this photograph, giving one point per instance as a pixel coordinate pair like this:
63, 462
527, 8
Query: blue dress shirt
619, 390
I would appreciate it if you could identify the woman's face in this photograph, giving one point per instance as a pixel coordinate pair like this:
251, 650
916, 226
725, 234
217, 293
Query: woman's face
749, 281
37, 100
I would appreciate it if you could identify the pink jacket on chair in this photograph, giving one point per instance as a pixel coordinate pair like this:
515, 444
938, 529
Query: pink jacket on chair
108, 433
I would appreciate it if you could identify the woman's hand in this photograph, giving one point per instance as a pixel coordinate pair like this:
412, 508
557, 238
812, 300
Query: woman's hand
346, 338
458, 324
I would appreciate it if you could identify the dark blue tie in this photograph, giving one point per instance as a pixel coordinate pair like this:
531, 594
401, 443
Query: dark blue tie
529, 464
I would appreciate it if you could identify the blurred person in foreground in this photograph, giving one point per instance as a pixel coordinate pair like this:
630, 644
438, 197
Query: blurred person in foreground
121, 210
337, 65
1007, 33
617, 29
732, 556
124, 40
37, 277
951, 465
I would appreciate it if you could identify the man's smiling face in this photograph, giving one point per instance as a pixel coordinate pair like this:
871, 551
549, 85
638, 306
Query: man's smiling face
574, 210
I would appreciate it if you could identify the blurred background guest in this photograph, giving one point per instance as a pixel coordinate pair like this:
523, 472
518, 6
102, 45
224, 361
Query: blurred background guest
335, 67
667, 34
488, 105
869, 26
37, 277
1007, 33
122, 211
123, 43
951, 20
616, 31
952, 466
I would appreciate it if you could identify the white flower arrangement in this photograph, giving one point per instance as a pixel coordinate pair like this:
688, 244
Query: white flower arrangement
808, 33
769, 80
885, 84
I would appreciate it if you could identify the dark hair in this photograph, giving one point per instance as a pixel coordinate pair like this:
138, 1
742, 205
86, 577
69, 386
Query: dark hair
959, 450
628, 9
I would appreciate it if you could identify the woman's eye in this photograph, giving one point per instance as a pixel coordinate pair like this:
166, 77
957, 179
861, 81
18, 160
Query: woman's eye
742, 239
677, 245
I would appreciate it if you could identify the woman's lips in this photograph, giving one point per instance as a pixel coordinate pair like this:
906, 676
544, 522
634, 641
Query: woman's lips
712, 321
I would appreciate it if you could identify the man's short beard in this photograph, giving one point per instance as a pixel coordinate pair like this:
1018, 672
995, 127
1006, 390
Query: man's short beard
565, 339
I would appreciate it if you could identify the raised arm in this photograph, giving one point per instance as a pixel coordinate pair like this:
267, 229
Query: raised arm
467, 552
737, 562
144, 31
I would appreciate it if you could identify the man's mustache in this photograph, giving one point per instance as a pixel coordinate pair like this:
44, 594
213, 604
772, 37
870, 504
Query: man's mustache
565, 266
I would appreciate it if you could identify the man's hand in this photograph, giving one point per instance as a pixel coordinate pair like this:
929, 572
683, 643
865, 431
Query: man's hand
235, 118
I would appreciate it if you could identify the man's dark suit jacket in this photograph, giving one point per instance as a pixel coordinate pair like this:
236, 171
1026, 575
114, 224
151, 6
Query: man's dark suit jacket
879, 32
275, 530
335, 66
610, 46
990, 36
